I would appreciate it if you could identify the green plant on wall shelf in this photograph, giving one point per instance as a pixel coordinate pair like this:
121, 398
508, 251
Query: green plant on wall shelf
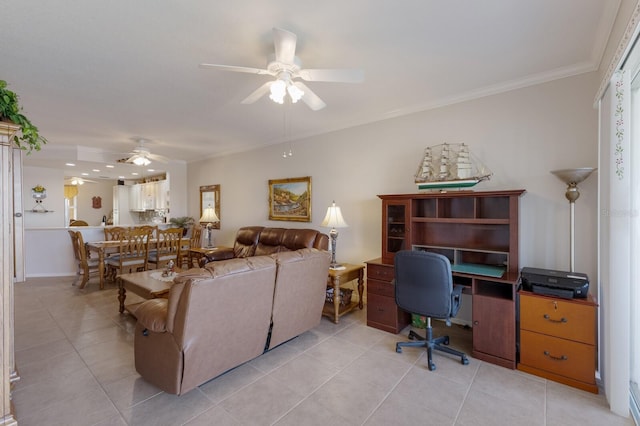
29, 138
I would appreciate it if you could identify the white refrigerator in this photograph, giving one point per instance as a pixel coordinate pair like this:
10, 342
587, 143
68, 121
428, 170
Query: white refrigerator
121, 213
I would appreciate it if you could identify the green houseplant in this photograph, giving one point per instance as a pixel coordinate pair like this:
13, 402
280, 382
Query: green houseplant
29, 139
183, 222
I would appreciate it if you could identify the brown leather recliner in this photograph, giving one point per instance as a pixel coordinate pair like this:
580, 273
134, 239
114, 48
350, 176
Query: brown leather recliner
228, 313
258, 241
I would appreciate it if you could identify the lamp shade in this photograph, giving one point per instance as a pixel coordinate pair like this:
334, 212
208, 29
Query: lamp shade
209, 215
334, 218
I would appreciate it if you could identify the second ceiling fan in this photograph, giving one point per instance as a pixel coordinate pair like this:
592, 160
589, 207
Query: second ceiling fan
287, 67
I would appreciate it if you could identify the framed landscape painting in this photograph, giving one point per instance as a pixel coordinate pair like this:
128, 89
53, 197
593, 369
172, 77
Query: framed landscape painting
290, 199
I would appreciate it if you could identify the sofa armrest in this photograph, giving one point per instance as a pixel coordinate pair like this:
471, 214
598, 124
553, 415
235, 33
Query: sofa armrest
221, 254
152, 315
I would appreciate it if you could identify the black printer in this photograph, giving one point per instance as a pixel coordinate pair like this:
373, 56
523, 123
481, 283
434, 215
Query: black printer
567, 285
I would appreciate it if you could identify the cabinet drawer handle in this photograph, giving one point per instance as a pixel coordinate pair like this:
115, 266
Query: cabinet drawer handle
548, 318
556, 358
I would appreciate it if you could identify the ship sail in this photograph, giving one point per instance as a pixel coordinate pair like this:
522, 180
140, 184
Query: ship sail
450, 165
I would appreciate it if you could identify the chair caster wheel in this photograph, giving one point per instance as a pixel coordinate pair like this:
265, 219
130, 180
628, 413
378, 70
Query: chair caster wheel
464, 361
446, 341
432, 366
398, 349
411, 337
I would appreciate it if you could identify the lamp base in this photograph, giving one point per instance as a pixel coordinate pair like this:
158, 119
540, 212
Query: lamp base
337, 267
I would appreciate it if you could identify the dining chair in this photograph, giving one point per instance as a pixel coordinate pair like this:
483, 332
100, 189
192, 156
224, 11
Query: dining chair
86, 266
195, 241
151, 229
167, 247
113, 233
78, 223
133, 252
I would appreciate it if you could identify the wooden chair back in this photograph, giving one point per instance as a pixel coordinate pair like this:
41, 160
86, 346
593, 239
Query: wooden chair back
196, 237
114, 233
195, 241
167, 247
134, 250
84, 264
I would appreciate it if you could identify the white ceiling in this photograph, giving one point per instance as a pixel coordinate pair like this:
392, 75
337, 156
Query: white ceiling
94, 75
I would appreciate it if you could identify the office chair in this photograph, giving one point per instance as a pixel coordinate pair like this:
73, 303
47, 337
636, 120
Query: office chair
424, 286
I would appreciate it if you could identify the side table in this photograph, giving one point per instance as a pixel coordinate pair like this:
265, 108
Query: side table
337, 278
144, 285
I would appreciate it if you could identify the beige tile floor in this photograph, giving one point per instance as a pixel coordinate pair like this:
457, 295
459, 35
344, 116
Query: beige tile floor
74, 354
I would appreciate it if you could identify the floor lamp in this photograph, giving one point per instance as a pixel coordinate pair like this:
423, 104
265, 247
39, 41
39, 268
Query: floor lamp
209, 217
334, 220
572, 177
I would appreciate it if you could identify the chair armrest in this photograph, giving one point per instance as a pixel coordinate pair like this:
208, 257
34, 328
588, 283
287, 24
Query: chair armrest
213, 256
456, 296
152, 315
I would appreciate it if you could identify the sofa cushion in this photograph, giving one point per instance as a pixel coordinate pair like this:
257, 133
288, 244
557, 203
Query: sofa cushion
295, 239
246, 241
299, 294
269, 241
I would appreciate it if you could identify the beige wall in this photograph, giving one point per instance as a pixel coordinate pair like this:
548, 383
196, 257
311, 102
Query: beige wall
520, 135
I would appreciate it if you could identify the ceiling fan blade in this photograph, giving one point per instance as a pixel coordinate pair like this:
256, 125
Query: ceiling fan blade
258, 93
157, 157
312, 100
248, 70
332, 75
285, 44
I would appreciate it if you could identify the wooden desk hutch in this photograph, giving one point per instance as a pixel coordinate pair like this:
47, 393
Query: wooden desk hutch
478, 232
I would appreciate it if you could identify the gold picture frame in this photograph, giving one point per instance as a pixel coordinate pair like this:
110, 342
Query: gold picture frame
210, 195
290, 199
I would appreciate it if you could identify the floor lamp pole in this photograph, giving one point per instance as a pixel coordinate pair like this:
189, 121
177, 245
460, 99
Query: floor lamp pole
572, 177
572, 195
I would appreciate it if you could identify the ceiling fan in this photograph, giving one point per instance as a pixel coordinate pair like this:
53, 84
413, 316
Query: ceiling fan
287, 67
142, 156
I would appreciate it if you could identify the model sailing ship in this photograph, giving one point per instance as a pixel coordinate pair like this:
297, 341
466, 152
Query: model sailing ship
450, 166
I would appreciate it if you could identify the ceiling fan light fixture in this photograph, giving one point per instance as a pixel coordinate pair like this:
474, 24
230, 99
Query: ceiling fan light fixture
141, 161
295, 93
278, 91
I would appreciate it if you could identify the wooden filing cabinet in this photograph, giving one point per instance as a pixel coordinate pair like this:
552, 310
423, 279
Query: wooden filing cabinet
382, 311
558, 339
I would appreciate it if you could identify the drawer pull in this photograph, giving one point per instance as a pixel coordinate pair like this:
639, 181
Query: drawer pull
556, 358
548, 318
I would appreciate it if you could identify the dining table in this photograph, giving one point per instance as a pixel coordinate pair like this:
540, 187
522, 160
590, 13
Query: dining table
104, 248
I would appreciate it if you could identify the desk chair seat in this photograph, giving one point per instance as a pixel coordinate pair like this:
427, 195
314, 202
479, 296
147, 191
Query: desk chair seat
424, 286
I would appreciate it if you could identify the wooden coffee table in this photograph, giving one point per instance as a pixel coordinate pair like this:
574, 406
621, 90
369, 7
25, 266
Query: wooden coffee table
144, 285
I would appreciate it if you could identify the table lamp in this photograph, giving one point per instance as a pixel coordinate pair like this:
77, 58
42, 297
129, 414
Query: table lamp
209, 217
334, 220
572, 177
